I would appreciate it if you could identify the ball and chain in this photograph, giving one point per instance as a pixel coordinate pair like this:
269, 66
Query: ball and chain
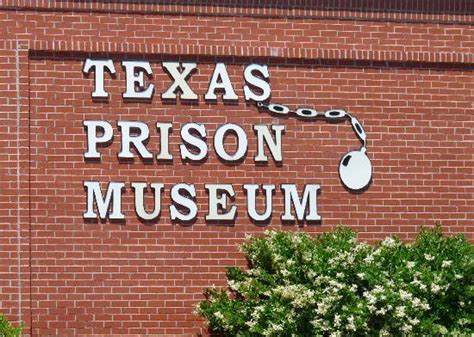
355, 168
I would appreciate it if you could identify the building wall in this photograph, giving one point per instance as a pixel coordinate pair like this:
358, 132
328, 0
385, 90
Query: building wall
404, 71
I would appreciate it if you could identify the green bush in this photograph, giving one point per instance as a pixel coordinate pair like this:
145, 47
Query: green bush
333, 285
7, 329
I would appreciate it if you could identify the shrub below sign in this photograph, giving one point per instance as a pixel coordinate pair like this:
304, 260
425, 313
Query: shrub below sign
334, 285
7, 329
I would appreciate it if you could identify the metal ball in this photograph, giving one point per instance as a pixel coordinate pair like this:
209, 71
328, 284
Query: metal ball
355, 170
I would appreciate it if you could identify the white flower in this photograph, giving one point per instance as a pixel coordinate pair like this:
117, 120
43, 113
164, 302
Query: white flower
457, 276
405, 295
435, 288
400, 312
429, 257
272, 329
378, 289
257, 311
316, 322
384, 333
336, 285
337, 320
251, 324
307, 256
410, 264
406, 328
414, 321
219, 315
381, 311
418, 283
425, 306
296, 239
351, 325
463, 321
322, 308
446, 263
277, 327
369, 259
361, 275
442, 330
389, 242
232, 284
416, 302
371, 299
350, 260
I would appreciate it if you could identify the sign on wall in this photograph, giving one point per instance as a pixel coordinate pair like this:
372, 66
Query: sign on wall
355, 169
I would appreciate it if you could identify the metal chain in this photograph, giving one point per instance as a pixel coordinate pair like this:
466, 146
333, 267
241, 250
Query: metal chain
333, 114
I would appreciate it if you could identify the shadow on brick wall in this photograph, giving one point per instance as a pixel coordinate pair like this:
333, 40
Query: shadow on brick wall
457, 7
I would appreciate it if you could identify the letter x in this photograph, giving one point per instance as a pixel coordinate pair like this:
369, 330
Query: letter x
179, 80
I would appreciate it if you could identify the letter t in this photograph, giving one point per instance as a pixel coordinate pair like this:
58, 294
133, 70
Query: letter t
99, 66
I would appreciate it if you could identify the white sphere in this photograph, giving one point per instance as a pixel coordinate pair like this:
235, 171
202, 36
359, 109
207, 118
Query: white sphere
355, 170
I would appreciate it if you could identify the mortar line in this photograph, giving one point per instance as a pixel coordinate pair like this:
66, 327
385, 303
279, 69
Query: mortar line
18, 111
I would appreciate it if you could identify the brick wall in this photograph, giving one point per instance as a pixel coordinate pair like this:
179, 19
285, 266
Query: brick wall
404, 71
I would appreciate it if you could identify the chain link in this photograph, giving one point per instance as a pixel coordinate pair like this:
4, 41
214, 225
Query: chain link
333, 114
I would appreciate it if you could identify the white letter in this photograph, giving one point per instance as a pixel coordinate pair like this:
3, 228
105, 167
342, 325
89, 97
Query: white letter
199, 143
241, 142
179, 79
251, 190
134, 75
220, 80
263, 135
92, 138
114, 191
257, 82
184, 201
137, 141
99, 66
139, 200
309, 201
164, 129
218, 200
